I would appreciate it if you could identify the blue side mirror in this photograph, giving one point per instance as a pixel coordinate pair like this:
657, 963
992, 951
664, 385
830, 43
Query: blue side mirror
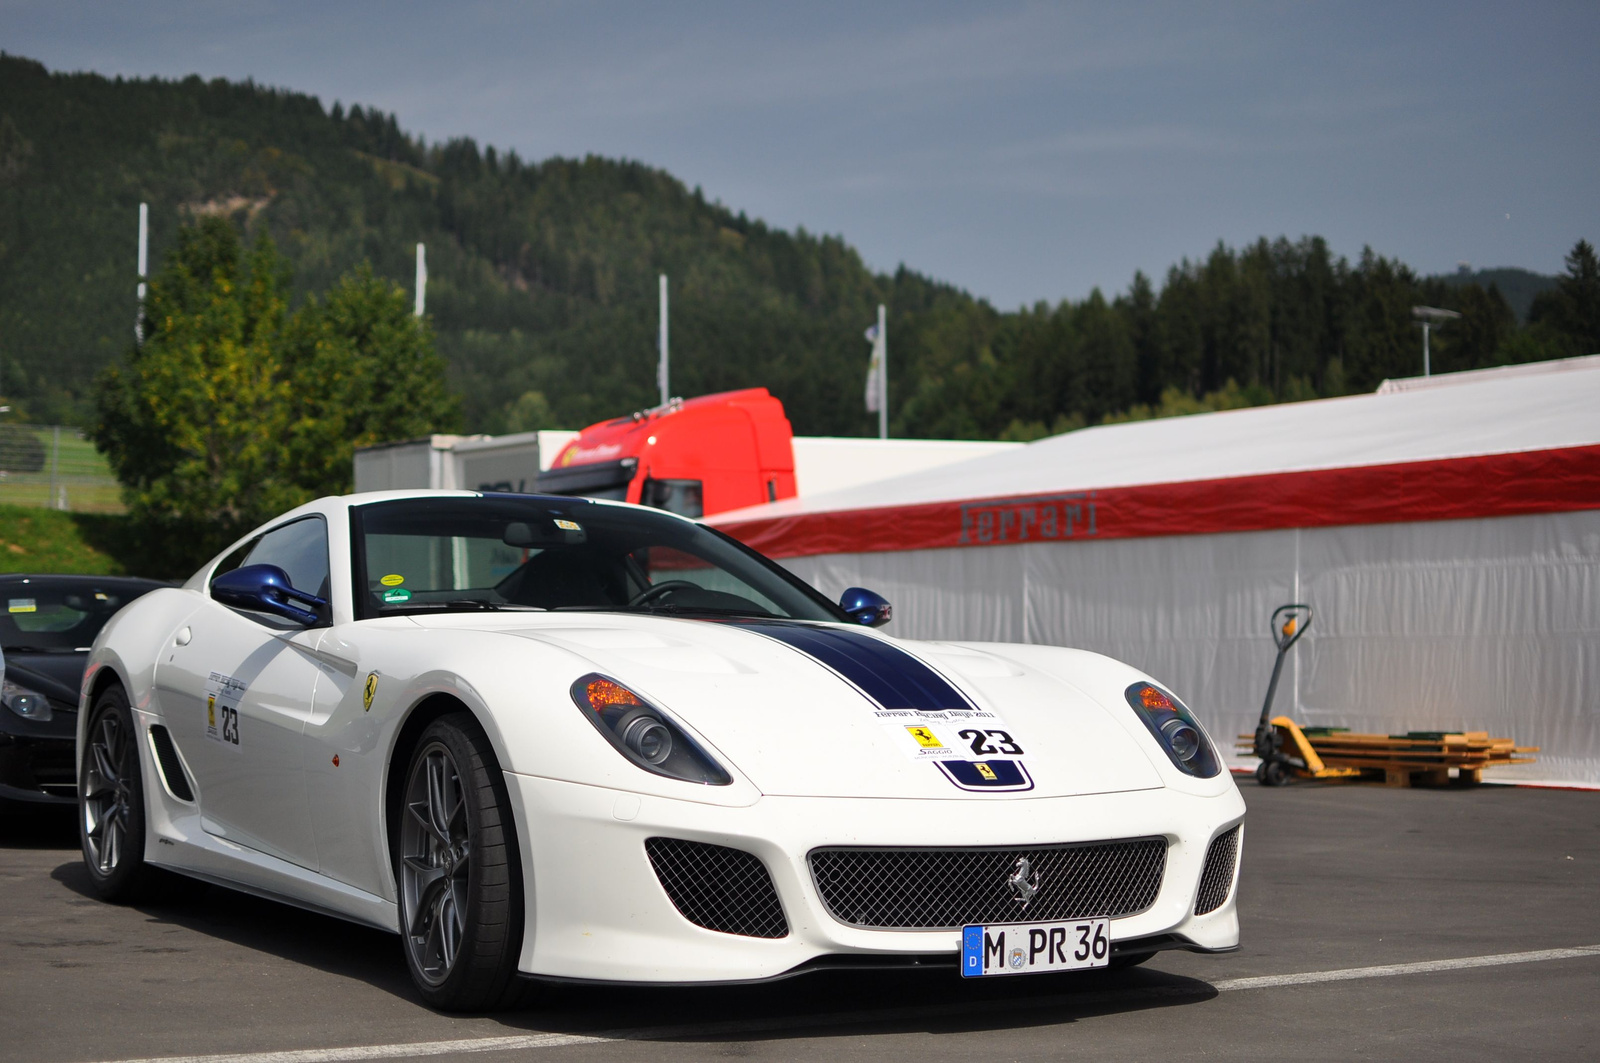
265, 589
865, 607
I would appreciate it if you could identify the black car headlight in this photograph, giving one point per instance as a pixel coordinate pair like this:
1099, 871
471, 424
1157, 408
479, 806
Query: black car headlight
643, 733
1175, 729
29, 704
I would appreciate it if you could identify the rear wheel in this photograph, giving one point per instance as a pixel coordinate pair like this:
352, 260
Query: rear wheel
459, 872
111, 801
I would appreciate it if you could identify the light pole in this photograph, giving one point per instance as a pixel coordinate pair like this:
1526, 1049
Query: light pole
1430, 316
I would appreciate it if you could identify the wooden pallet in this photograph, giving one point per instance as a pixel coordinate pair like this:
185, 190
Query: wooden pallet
1418, 758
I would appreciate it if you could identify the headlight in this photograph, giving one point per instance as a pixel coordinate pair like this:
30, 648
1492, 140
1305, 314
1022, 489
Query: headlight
1175, 728
29, 704
643, 733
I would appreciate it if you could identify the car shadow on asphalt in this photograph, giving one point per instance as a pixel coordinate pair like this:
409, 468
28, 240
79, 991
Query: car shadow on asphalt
819, 1004
840, 1003
824, 1003
347, 950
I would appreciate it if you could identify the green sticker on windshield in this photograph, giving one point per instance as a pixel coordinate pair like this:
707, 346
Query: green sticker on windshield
399, 594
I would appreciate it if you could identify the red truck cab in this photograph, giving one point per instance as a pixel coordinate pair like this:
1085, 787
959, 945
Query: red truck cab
695, 457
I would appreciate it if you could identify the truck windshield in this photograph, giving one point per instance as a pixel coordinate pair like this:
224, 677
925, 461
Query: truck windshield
519, 552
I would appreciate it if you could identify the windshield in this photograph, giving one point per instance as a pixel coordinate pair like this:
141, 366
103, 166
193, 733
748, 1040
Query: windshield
59, 614
519, 552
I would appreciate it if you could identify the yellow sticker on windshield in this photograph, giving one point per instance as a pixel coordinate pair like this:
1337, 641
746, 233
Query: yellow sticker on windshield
392, 580
568, 525
24, 605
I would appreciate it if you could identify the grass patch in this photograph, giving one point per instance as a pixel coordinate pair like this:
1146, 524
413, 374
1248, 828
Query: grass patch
47, 540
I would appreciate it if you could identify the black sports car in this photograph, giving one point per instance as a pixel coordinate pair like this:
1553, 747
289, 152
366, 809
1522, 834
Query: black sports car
47, 624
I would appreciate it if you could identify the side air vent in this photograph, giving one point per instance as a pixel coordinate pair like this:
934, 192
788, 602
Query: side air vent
722, 889
1216, 878
172, 773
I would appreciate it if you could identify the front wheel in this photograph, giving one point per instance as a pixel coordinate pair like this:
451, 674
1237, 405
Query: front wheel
111, 801
459, 872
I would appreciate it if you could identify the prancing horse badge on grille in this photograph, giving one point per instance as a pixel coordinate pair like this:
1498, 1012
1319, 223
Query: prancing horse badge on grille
1020, 882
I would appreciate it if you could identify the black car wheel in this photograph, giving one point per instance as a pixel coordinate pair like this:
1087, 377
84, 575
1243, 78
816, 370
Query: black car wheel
111, 800
459, 873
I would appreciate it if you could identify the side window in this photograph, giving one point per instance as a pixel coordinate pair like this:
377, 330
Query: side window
300, 549
682, 497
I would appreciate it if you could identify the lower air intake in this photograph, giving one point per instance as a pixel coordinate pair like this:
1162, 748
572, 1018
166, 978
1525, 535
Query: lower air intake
942, 889
1216, 878
721, 889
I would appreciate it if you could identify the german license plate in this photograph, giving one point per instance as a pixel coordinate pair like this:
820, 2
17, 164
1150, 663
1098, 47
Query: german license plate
1034, 948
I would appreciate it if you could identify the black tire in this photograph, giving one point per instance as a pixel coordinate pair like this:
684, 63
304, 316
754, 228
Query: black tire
459, 872
111, 811
1261, 773
1276, 774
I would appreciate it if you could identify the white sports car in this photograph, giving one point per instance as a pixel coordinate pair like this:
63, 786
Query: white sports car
582, 740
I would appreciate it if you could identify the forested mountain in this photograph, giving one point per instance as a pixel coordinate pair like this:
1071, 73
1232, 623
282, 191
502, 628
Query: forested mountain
542, 278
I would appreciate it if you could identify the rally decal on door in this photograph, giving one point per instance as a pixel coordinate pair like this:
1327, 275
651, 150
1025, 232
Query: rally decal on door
222, 709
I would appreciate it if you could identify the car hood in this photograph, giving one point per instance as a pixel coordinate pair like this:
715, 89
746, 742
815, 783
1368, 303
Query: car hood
828, 710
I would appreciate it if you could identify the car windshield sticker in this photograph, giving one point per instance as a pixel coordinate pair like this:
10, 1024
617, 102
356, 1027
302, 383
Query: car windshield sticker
398, 594
222, 709
568, 525
24, 605
368, 691
393, 579
925, 715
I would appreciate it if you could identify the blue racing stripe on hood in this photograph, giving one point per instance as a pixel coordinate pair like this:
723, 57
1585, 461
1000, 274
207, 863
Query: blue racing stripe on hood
884, 672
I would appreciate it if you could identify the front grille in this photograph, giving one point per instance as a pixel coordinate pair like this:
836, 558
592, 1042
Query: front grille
722, 889
940, 889
1216, 878
51, 765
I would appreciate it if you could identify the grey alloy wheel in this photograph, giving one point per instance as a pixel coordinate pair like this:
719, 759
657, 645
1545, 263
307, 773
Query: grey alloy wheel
459, 874
435, 844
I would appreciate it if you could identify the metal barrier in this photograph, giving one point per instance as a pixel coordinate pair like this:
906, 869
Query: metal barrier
55, 467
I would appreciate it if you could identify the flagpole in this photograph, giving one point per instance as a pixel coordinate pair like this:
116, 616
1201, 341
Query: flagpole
883, 375
663, 366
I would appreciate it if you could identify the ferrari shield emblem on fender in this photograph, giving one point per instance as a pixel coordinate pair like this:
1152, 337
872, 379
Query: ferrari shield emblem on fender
370, 689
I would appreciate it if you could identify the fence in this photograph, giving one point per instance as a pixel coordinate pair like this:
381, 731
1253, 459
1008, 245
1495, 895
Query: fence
55, 467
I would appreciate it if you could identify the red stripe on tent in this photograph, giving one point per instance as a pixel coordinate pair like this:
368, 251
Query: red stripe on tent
1496, 485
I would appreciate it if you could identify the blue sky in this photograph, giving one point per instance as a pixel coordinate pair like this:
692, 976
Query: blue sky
1022, 151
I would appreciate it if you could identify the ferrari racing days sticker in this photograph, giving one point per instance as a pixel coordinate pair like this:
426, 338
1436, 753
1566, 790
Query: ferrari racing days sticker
950, 734
222, 709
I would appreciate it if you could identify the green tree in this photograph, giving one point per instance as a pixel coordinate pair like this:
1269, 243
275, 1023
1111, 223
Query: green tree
360, 370
1569, 316
192, 423
234, 410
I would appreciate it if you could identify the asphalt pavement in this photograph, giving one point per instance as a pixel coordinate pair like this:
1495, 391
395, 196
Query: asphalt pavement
1378, 924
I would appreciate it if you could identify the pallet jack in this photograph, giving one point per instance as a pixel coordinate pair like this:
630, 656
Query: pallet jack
1289, 622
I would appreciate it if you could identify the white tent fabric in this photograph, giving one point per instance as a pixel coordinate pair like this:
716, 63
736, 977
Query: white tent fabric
1491, 623
1494, 416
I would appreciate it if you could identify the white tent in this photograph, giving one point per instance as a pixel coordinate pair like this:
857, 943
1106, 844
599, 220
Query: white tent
1447, 537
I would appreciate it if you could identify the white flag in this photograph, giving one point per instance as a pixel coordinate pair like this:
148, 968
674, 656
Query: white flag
874, 369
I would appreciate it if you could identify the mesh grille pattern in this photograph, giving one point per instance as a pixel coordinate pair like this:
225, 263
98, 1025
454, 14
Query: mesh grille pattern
719, 888
928, 889
1216, 879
